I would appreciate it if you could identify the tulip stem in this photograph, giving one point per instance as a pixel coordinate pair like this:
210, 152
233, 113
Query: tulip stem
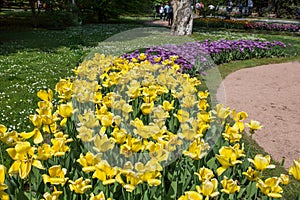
2, 162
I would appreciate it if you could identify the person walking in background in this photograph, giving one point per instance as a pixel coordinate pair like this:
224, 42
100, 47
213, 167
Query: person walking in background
197, 8
250, 6
211, 9
161, 11
170, 15
166, 11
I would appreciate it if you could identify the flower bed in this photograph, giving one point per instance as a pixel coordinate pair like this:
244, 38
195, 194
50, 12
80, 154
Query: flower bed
134, 128
245, 24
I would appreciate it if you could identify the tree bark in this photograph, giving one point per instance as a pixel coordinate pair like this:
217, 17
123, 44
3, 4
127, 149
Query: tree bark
183, 17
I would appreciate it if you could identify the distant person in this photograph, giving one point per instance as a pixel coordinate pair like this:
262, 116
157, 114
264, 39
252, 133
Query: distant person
166, 11
229, 6
170, 15
250, 6
211, 9
241, 8
39, 5
161, 11
198, 8
201, 9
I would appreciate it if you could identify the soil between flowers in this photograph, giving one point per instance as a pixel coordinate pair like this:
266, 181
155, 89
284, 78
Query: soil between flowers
269, 94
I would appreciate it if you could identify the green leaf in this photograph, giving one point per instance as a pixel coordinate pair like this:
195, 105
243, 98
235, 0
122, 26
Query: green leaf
172, 191
251, 190
240, 194
212, 163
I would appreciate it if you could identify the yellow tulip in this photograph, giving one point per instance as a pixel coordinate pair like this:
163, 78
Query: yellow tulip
197, 149
284, 179
254, 126
222, 112
100, 196
36, 134
56, 175
59, 144
24, 157
44, 152
36, 120
3, 195
119, 135
239, 118
232, 134
80, 186
182, 116
66, 111
295, 170
105, 173
45, 95
228, 157
208, 188
64, 89
88, 162
85, 134
147, 108
103, 144
229, 186
191, 195
205, 174
251, 174
261, 162
270, 187
55, 195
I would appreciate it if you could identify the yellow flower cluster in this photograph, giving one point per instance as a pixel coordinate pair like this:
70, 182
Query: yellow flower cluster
122, 121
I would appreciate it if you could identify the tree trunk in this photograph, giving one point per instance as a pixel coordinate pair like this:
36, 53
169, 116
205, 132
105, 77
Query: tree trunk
183, 17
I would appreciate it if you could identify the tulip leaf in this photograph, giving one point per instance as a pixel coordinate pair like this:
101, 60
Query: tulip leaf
212, 163
241, 193
251, 190
172, 190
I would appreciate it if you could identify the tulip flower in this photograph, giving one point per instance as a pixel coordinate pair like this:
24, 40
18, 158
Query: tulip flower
229, 186
100, 196
66, 111
239, 118
64, 89
197, 149
105, 173
191, 195
88, 162
24, 157
3, 195
295, 170
262, 162
147, 108
251, 174
270, 187
80, 186
232, 134
222, 112
205, 174
284, 179
36, 134
56, 176
208, 188
254, 126
55, 195
228, 157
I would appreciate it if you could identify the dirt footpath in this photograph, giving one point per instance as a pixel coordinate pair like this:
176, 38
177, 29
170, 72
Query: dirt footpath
269, 94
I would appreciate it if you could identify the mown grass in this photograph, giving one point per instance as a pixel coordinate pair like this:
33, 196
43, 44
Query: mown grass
34, 59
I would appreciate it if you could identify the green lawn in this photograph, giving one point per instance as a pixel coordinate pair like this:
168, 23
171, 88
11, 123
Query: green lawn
35, 59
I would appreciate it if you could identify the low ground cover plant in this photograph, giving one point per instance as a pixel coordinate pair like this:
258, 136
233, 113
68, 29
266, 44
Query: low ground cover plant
132, 129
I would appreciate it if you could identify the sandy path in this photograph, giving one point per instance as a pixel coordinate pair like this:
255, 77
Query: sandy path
271, 95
